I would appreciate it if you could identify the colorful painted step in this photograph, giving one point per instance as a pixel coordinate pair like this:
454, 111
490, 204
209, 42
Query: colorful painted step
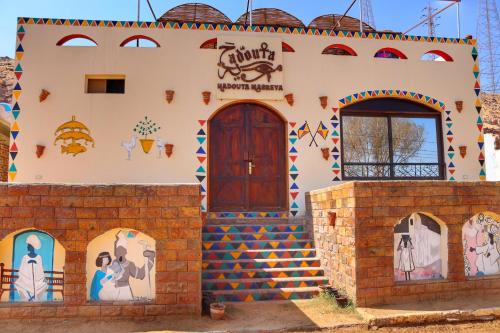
258, 254
242, 228
263, 273
255, 283
265, 294
259, 264
259, 261
256, 245
215, 237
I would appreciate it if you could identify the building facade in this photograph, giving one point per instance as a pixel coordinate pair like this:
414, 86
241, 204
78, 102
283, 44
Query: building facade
89, 109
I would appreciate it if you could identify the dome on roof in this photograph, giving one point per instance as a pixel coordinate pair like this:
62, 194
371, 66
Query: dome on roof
196, 13
271, 17
330, 21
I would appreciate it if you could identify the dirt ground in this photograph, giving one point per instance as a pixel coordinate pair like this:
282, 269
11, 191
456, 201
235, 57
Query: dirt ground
475, 327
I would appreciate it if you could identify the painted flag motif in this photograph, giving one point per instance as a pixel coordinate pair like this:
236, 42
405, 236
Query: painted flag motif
304, 130
322, 130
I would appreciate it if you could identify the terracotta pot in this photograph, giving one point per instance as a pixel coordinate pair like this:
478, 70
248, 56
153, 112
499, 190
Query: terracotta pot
463, 151
332, 217
342, 301
169, 95
169, 149
39, 150
206, 97
289, 99
146, 144
459, 105
326, 153
217, 311
323, 101
329, 290
43, 95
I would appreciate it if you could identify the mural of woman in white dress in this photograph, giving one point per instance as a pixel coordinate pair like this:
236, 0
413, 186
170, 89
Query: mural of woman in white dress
417, 249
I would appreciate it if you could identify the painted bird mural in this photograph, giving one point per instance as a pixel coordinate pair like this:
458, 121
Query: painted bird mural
129, 146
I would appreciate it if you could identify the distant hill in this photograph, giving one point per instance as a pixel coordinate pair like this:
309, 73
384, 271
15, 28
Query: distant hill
7, 79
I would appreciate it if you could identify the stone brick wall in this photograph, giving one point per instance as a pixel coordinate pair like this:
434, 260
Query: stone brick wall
4, 161
74, 215
359, 253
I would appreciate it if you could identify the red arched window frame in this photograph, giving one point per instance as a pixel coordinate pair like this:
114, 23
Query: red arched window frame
139, 37
442, 54
396, 52
67, 38
209, 44
212, 44
330, 49
286, 47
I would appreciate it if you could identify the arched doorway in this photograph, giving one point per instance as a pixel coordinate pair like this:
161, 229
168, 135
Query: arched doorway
247, 160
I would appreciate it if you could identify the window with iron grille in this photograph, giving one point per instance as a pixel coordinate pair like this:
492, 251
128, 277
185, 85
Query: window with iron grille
391, 139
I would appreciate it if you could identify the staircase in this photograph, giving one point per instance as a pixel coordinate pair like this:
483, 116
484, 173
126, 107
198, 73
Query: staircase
259, 260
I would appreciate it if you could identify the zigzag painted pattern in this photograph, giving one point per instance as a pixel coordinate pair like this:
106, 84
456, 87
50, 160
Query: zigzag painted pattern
247, 215
240, 28
477, 104
259, 262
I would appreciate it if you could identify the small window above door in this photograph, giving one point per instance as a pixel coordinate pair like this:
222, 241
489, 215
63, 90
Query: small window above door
105, 84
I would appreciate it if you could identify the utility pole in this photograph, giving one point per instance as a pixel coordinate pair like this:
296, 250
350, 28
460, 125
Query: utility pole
488, 36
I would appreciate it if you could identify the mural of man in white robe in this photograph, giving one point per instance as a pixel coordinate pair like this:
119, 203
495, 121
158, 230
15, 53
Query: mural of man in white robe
31, 283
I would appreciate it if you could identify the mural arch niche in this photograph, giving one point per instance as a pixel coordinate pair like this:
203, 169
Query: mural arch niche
121, 266
31, 267
481, 242
420, 248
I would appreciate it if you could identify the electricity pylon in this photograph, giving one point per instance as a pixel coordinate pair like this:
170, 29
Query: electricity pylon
488, 37
367, 13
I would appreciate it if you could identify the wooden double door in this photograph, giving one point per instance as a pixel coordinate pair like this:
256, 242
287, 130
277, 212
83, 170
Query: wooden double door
247, 160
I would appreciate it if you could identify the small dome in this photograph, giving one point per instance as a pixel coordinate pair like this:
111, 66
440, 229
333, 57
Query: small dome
196, 13
271, 17
330, 21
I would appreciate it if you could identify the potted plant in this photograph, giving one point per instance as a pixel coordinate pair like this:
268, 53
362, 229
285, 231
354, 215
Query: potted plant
144, 128
217, 311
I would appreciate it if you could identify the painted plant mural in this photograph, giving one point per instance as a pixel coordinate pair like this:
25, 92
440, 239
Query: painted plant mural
32, 261
121, 266
481, 241
417, 249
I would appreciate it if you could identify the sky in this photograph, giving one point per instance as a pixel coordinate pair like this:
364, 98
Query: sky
396, 15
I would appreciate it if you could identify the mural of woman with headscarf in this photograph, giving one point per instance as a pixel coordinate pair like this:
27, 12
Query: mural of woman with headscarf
31, 283
103, 287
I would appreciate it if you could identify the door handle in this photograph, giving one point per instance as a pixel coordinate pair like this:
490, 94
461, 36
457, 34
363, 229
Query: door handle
250, 167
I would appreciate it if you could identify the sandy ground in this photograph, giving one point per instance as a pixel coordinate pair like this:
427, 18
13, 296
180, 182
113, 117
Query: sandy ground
298, 316
256, 317
476, 327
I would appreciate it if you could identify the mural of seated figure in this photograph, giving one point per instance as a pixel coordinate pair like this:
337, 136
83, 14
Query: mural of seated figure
123, 278
481, 241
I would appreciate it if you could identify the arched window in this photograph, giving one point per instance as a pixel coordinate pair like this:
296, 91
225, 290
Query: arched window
209, 44
76, 40
390, 138
339, 49
212, 44
139, 41
437, 55
420, 248
390, 53
286, 48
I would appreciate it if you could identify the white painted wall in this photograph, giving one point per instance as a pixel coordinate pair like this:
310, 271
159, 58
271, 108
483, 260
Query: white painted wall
182, 66
492, 157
